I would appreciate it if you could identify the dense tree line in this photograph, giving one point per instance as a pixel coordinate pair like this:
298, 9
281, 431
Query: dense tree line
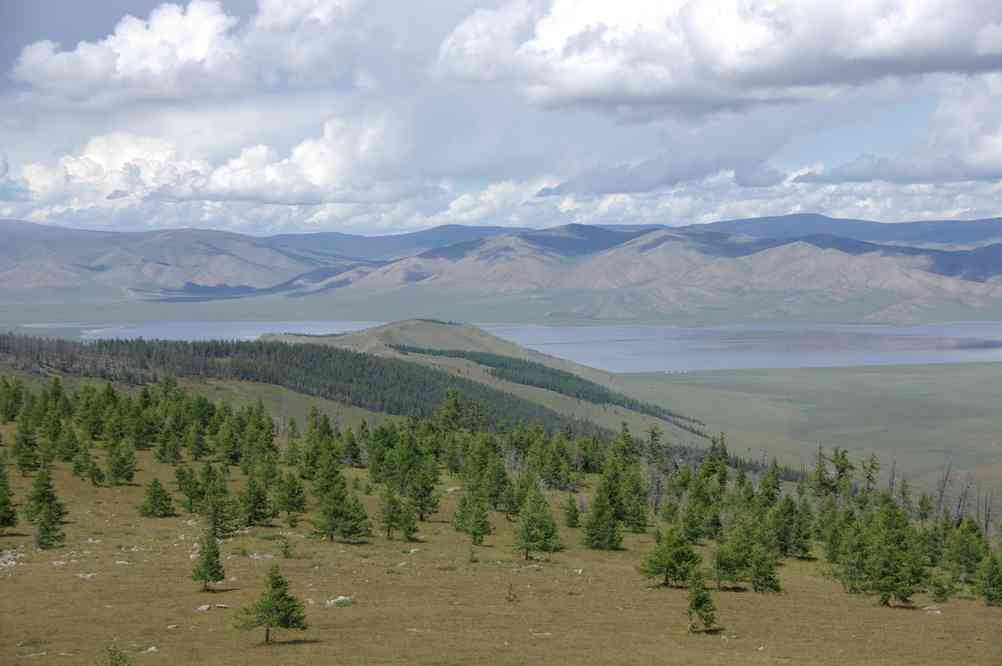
531, 373
362, 380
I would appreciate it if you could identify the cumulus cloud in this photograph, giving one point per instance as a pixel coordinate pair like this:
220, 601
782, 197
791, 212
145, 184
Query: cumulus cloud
182, 51
694, 56
964, 143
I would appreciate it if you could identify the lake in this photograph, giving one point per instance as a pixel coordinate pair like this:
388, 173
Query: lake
646, 348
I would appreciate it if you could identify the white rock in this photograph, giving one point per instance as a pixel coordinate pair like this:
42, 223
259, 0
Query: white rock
203, 608
87, 576
151, 649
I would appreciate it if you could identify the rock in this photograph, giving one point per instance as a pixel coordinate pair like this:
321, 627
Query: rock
151, 650
222, 606
121, 562
203, 608
453, 489
59, 563
261, 556
339, 602
172, 626
87, 576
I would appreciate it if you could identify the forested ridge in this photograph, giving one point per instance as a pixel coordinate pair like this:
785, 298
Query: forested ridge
531, 373
361, 380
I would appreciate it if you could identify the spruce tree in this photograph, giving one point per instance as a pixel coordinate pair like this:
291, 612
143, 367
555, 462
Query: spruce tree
421, 488
762, 570
41, 496
8, 514
990, 579
25, 446
121, 462
158, 502
275, 609
672, 559
702, 610
478, 524
254, 506
572, 515
353, 522
209, 568
536, 530
390, 509
407, 520
48, 528
461, 516
290, 498
601, 526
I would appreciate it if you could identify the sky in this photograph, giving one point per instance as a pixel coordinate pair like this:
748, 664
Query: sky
375, 117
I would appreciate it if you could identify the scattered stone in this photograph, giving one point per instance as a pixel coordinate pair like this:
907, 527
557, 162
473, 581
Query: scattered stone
543, 634
87, 576
339, 602
172, 626
453, 489
203, 608
59, 563
222, 606
92, 540
261, 556
579, 571
411, 551
151, 650
121, 562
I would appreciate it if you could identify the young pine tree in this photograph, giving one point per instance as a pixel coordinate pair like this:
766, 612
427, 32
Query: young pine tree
390, 510
48, 528
25, 446
702, 611
672, 559
536, 530
601, 526
990, 579
158, 502
572, 514
478, 524
209, 568
121, 462
254, 506
8, 514
42, 496
275, 609
290, 498
353, 523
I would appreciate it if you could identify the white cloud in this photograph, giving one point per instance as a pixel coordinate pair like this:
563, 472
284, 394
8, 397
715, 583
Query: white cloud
705, 55
182, 52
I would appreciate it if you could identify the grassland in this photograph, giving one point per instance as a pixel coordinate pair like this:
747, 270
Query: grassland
125, 580
922, 416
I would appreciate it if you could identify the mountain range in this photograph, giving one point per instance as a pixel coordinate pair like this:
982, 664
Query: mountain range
789, 267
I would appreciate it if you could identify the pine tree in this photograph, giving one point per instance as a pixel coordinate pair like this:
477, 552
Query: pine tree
121, 462
8, 514
48, 530
407, 520
672, 559
290, 497
275, 609
25, 446
601, 526
990, 579
701, 606
478, 524
536, 530
461, 516
762, 570
572, 515
353, 523
421, 489
209, 568
158, 502
42, 496
253, 501
390, 509
67, 444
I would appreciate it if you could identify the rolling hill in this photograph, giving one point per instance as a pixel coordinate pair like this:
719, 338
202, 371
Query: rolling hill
791, 267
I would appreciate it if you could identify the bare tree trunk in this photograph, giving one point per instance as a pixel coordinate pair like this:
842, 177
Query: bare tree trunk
891, 479
944, 483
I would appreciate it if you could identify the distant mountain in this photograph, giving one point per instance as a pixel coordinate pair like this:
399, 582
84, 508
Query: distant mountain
791, 267
320, 246
947, 233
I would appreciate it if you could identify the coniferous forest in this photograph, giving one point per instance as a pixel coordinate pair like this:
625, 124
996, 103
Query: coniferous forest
698, 524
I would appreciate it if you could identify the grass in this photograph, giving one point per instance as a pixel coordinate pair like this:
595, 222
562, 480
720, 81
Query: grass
430, 606
920, 415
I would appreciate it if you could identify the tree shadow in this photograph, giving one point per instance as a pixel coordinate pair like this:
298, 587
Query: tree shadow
4, 535
712, 631
291, 642
220, 590
733, 587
